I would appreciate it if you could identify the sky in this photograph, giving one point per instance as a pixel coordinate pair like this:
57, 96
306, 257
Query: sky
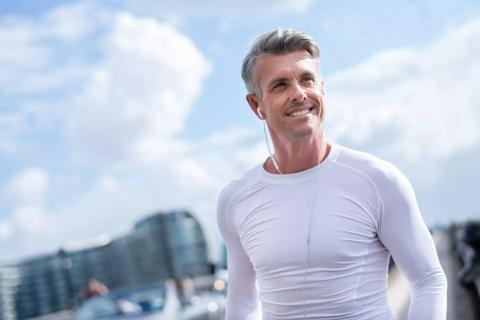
111, 111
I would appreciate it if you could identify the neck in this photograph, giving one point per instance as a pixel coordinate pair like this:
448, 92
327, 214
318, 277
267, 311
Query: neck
296, 156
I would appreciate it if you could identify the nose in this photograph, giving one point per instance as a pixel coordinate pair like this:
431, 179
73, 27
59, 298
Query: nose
298, 93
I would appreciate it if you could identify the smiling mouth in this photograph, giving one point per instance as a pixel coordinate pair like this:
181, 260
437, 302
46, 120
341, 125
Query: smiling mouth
300, 112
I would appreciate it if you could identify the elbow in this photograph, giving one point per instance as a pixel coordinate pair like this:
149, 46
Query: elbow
433, 282
429, 296
440, 281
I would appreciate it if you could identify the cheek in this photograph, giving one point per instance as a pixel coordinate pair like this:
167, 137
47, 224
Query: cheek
318, 96
322, 109
276, 103
318, 91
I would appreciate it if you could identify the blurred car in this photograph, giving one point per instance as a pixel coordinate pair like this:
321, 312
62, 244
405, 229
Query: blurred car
159, 302
205, 306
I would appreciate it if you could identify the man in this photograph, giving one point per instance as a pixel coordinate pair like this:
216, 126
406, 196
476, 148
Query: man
316, 223
94, 288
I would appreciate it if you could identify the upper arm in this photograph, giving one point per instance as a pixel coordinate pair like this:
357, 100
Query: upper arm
241, 296
402, 229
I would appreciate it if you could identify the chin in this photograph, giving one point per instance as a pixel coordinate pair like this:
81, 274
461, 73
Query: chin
304, 133
299, 135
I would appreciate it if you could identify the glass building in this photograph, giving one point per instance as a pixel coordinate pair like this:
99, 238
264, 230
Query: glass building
163, 245
8, 282
42, 287
179, 239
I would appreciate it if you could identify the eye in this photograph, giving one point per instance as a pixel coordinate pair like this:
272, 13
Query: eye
280, 85
308, 79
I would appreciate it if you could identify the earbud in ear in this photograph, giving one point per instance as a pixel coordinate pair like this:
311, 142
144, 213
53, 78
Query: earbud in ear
260, 114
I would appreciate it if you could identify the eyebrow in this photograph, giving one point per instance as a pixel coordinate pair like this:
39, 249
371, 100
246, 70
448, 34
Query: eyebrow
308, 73
273, 82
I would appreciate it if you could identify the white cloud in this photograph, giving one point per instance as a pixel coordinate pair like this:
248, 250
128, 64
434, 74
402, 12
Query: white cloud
30, 230
11, 125
41, 53
22, 50
5, 230
32, 220
214, 8
129, 111
29, 187
191, 179
132, 102
41, 59
142, 91
72, 22
426, 97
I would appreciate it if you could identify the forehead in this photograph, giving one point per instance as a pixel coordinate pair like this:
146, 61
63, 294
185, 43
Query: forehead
269, 67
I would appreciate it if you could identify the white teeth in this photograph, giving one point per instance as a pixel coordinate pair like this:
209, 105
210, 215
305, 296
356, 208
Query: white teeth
300, 113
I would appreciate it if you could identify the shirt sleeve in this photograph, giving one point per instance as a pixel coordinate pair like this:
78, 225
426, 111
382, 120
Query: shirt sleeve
404, 233
242, 293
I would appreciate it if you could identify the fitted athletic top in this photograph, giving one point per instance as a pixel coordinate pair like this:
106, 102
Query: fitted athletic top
360, 209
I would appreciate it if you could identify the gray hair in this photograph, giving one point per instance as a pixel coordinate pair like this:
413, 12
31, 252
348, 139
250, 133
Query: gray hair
277, 41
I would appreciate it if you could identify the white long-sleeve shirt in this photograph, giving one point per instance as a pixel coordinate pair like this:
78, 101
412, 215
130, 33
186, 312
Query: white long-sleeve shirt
360, 210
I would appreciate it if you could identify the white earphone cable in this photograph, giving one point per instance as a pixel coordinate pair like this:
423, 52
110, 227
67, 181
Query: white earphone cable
310, 205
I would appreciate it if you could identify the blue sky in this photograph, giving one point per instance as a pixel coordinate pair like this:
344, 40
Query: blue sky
110, 111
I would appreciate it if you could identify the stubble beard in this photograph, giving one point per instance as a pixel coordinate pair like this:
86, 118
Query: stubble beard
297, 135
313, 128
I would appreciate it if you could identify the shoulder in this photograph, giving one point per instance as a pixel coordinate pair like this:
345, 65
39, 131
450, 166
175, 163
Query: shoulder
391, 185
229, 193
373, 168
236, 187
393, 191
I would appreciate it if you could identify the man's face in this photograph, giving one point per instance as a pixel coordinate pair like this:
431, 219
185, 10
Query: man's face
290, 94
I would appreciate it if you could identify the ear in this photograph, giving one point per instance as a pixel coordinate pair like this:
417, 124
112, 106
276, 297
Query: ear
253, 102
322, 87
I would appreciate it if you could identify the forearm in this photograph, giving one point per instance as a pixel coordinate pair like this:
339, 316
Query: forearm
405, 235
429, 297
